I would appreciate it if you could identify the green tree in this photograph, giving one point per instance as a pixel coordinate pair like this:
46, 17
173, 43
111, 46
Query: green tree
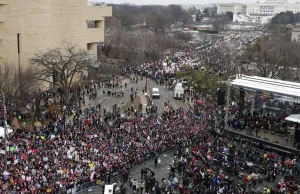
203, 82
297, 18
229, 15
198, 16
192, 10
206, 12
283, 18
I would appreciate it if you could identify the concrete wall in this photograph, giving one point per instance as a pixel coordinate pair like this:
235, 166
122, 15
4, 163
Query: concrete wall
47, 24
296, 35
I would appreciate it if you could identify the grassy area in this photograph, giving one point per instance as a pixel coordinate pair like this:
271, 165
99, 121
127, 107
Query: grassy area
56, 108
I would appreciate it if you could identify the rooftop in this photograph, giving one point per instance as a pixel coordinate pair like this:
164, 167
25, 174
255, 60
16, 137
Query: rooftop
296, 30
275, 86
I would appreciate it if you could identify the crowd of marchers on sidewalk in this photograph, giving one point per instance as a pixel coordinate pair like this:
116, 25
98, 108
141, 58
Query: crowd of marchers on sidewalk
216, 162
51, 157
57, 156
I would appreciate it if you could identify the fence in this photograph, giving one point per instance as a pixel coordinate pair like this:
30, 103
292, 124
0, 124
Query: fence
77, 188
80, 188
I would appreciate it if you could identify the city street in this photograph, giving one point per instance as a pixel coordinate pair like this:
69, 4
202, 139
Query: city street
107, 102
161, 171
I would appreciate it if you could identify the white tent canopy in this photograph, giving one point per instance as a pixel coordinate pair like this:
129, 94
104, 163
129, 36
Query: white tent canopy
275, 86
293, 118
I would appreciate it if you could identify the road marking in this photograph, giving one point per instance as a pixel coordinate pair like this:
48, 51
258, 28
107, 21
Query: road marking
175, 106
186, 105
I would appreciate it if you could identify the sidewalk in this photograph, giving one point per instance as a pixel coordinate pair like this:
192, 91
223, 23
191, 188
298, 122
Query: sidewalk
144, 102
272, 138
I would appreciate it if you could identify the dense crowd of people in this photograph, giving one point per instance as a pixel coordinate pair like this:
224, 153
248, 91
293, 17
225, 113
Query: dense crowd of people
213, 162
57, 156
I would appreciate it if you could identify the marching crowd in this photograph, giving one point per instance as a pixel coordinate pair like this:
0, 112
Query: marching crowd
55, 156
51, 157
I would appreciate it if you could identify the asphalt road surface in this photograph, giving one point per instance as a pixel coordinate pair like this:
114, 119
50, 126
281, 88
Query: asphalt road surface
107, 102
162, 171
166, 158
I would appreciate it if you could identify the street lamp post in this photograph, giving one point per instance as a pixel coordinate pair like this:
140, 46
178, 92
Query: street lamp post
64, 118
146, 86
227, 104
5, 130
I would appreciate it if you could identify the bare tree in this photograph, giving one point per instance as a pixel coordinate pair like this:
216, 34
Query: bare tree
217, 57
262, 57
274, 56
14, 84
220, 23
8, 80
186, 37
126, 19
59, 66
176, 12
160, 19
27, 82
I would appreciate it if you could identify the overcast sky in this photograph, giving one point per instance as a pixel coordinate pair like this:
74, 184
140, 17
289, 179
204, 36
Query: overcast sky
166, 2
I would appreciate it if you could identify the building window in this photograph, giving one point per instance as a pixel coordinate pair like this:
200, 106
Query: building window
94, 23
91, 24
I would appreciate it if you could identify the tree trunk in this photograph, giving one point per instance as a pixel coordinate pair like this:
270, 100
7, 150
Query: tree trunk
66, 95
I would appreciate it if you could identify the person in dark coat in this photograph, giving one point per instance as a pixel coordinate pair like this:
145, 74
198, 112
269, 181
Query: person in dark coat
156, 161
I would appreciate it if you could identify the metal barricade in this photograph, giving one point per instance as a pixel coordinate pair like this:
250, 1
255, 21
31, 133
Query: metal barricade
85, 186
98, 183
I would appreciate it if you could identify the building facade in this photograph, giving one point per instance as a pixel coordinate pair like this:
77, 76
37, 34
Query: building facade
32, 26
296, 35
272, 7
235, 8
258, 12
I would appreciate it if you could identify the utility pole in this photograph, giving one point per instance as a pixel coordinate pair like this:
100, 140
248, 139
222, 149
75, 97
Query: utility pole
64, 118
227, 104
64, 113
146, 86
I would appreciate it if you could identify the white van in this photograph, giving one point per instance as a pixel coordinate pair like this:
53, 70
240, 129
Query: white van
155, 93
179, 91
2, 131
